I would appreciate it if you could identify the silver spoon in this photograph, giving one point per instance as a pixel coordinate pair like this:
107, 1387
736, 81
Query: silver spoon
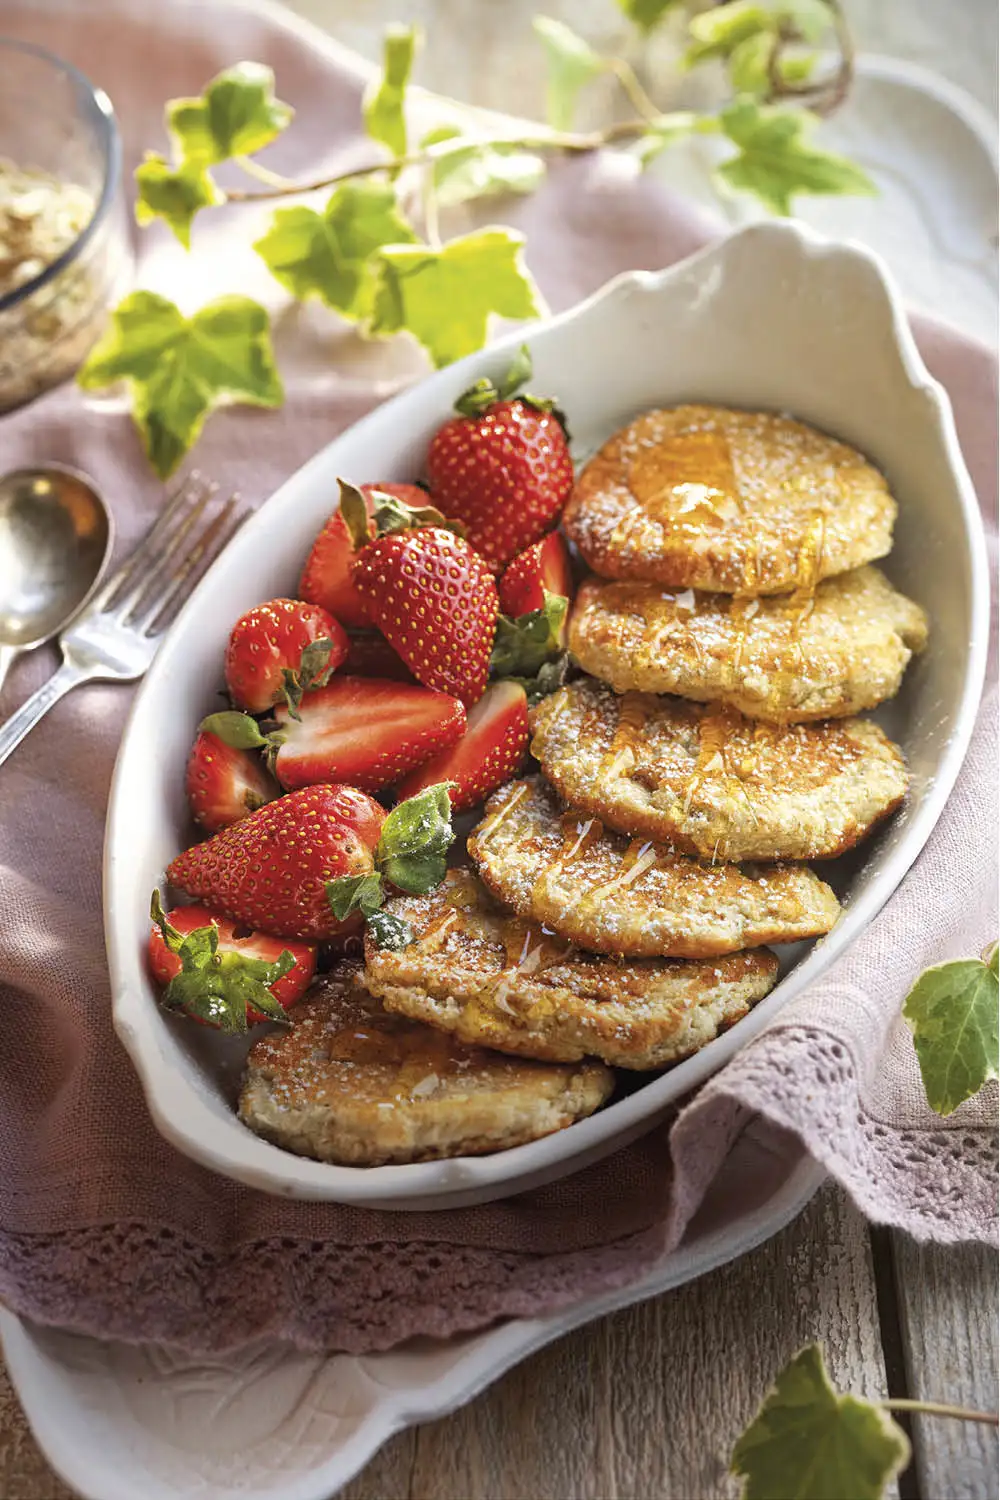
55, 537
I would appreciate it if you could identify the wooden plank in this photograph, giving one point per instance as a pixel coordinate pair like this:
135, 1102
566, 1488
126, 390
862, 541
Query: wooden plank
648, 1402
24, 1473
947, 1297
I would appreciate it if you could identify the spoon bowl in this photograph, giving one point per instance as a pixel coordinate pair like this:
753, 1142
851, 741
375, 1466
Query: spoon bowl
55, 537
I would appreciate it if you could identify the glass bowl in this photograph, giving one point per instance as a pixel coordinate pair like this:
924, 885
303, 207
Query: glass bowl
65, 257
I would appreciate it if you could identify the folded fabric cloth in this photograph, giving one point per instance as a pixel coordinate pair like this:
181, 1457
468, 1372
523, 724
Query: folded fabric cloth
107, 1230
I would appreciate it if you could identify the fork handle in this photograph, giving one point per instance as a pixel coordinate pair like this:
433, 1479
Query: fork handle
27, 716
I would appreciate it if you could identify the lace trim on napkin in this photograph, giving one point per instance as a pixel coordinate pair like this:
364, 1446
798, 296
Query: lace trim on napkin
938, 1183
141, 1284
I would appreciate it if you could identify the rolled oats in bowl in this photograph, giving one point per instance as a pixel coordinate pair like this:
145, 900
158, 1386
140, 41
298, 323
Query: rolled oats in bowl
64, 251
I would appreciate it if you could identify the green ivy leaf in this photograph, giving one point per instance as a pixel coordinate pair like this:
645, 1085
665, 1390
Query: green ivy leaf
952, 1012
236, 115
718, 32
775, 160
572, 63
445, 297
181, 368
749, 65
522, 646
482, 170
809, 1443
416, 837
174, 194
383, 104
647, 13
329, 254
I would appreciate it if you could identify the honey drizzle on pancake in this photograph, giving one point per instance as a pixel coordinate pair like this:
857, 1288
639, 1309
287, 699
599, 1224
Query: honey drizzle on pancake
622, 753
524, 959
493, 822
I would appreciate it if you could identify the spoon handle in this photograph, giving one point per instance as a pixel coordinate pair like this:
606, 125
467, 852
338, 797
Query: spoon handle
28, 715
8, 655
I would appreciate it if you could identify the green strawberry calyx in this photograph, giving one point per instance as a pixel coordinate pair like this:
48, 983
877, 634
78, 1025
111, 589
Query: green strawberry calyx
314, 671
220, 989
388, 515
484, 395
411, 855
243, 732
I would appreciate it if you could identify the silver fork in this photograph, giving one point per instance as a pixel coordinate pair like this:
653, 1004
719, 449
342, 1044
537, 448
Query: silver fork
116, 636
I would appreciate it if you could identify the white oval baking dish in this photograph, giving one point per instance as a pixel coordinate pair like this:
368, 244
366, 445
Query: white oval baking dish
772, 317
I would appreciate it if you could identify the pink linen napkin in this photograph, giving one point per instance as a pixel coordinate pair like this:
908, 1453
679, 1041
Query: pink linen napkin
104, 1228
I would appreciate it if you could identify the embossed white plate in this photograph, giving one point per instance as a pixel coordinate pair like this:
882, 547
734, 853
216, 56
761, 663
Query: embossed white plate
772, 317
120, 1422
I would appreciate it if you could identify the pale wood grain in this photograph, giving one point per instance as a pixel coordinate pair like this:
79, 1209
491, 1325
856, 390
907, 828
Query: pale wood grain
24, 1473
647, 1403
947, 1298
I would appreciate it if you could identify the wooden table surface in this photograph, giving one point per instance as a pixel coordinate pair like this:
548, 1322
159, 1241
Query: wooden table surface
647, 1403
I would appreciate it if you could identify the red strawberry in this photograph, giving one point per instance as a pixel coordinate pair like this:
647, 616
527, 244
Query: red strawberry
543, 569
370, 655
275, 651
501, 467
435, 601
489, 752
326, 577
270, 869
364, 730
224, 783
218, 991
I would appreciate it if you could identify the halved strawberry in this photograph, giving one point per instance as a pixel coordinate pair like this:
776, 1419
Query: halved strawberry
279, 650
488, 754
366, 731
326, 577
370, 655
543, 569
224, 783
217, 980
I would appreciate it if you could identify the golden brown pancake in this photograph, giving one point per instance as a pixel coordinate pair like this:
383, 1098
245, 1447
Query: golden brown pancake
497, 980
612, 894
349, 1083
785, 659
710, 782
736, 501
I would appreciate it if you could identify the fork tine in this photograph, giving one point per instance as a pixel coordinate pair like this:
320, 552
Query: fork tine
216, 535
159, 557
187, 491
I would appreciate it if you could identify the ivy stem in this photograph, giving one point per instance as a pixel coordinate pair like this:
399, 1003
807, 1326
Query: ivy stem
622, 130
828, 94
636, 94
263, 174
429, 202
939, 1409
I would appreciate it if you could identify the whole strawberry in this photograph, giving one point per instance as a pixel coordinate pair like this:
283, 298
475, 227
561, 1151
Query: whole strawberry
270, 869
316, 862
279, 649
326, 577
502, 466
431, 595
